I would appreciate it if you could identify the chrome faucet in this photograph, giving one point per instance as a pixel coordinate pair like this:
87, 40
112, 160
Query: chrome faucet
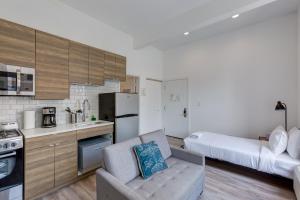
84, 114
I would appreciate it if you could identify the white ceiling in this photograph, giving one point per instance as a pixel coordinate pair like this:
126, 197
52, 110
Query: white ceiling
161, 23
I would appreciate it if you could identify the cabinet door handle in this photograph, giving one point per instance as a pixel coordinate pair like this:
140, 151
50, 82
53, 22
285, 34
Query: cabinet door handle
51, 145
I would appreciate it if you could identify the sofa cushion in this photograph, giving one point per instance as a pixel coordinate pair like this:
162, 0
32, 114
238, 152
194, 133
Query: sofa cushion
120, 160
149, 159
160, 139
181, 181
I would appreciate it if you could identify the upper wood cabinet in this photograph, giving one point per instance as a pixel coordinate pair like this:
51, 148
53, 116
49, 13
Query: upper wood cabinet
120, 68
52, 67
17, 44
130, 85
78, 63
96, 66
110, 66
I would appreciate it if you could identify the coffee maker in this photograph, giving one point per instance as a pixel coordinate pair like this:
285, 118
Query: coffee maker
49, 119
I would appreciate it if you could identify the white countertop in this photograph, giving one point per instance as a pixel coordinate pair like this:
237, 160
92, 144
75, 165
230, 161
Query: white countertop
35, 132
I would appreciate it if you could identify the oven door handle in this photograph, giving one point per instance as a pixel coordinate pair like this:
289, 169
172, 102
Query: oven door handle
18, 81
8, 155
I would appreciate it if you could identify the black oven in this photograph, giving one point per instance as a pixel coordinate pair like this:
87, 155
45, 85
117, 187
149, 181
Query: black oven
11, 174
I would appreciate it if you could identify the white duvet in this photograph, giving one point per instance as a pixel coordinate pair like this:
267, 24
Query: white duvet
250, 153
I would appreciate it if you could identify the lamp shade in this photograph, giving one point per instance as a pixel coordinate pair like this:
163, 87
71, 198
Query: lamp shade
280, 106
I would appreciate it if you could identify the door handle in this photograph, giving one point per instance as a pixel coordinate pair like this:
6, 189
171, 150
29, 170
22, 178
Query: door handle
7, 155
18, 81
184, 112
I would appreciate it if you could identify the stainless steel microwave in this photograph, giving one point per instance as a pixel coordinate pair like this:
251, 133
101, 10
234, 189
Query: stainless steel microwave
17, 81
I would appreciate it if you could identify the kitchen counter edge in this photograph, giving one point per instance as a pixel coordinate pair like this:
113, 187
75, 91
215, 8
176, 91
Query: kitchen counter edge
37, 132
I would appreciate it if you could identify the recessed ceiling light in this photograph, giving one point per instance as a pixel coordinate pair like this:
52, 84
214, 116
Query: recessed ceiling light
235, 16
186, 33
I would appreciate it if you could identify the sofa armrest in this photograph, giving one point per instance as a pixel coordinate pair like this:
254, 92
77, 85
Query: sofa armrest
110, 188
185, 155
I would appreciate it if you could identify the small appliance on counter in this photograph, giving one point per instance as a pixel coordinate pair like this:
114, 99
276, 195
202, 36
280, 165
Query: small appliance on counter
49, 117
29, 119
11, 162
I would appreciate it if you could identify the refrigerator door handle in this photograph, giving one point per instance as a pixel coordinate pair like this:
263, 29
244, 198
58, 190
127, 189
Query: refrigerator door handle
127, 115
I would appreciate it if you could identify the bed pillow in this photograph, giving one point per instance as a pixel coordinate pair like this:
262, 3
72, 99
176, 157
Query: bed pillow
293, 147
149, 159
278, 140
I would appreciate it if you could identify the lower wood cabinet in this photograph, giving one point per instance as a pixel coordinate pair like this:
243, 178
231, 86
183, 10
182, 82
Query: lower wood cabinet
65, 163
39, 171
49, 166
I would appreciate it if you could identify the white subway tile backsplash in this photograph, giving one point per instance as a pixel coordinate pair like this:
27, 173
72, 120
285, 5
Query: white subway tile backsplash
11, 108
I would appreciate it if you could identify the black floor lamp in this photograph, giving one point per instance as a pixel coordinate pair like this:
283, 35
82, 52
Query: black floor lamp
282, 106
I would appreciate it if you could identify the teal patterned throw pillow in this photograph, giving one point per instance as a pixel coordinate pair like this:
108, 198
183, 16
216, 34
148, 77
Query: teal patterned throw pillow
149, 159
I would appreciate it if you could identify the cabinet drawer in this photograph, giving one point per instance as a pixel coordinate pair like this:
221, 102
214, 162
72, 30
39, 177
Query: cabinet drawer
92, 132
39, 142
50, 140
65, 138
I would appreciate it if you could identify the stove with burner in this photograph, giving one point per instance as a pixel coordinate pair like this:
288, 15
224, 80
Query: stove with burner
11, 162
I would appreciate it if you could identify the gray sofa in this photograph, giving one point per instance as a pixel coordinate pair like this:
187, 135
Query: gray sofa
121, 180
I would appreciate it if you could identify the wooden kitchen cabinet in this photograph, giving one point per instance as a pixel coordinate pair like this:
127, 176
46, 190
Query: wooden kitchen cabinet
78, 63
65, 163
39, 171
17, 44
96, 66
52, 67
110, 66
130, 85
93, 132
50, 161
120, 72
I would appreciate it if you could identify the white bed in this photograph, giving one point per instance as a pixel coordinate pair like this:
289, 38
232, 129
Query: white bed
250, 153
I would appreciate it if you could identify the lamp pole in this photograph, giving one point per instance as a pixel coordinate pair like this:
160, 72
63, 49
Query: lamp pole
285, 116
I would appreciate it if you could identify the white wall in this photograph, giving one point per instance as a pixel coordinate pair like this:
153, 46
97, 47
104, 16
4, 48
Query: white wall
298, 54
54, 17
236, 78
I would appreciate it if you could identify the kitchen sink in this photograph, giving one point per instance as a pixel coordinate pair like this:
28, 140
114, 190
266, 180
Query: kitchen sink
90, 123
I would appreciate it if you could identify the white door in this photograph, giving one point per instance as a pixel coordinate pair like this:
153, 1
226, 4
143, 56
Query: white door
151, 106
175, 108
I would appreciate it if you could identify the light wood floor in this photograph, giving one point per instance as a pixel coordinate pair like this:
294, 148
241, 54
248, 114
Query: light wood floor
223, 181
